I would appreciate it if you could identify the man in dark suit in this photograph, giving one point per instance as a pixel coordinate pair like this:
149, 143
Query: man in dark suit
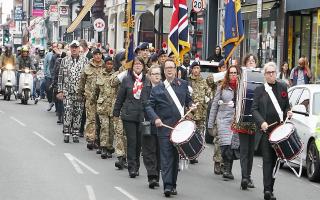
162, 109
265, 111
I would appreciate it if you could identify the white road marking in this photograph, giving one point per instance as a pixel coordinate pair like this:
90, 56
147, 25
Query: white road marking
75, 162
126, 193
45, 139
19, 122
90, 191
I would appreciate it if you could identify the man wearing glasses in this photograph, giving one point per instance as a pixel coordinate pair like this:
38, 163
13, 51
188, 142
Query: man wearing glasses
270, 105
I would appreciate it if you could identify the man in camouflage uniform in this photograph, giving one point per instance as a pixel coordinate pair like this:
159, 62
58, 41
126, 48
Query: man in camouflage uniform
68, 80
217, 158
87, 86
106, 91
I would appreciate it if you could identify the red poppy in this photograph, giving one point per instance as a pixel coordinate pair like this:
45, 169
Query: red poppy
284, 94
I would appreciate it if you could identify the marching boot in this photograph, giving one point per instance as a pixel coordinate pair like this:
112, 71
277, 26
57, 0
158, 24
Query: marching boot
228, 168
104, 153
244, 184
120, 163
98, 151
66, 138
90, 145
75, 139
217, 168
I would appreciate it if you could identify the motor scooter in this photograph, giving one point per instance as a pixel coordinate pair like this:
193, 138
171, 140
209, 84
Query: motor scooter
8, 81
25, 85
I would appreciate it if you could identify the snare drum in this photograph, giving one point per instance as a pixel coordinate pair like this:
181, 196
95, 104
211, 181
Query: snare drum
187, 139
286, 142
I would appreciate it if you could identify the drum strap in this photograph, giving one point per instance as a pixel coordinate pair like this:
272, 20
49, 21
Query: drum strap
274, 101
174, 97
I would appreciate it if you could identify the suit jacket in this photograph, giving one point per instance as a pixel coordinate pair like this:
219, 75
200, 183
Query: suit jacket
161, 105
260, 104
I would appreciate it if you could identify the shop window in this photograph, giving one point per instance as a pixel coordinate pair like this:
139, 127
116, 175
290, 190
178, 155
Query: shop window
305, 39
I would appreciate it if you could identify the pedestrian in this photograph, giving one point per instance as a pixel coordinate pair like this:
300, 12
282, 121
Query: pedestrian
201, 92
150, 144
265, 112
301, 74
144, 52
86, 50
87, 85
162, 109
130, 104
285, 74
106, 92
68, 81
222, 111
186, 63
217, 56
212, 125
48, 68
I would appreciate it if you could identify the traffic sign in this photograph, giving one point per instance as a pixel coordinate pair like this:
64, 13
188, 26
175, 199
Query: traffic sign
197, 5
64, 10
99, 25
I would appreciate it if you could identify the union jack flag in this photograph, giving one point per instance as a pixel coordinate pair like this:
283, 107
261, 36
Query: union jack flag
179, 34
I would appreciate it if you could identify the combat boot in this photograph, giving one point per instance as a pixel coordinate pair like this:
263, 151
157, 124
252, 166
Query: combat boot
75, 139
90, 145
104, 153
120, 163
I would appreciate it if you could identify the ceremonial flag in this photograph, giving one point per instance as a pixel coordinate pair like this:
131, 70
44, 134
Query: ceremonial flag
233, 27
131, 10
179, 35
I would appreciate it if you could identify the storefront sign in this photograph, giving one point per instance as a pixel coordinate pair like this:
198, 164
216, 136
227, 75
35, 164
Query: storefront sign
38, 8
18, 13
54, 14
141, 7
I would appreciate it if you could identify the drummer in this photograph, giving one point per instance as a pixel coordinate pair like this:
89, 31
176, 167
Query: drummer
163, 109
265, 112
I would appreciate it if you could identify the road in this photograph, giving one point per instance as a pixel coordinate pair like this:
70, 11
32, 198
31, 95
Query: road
37, 165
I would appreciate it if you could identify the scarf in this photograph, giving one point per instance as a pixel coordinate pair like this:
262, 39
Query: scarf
137, 86
233, 83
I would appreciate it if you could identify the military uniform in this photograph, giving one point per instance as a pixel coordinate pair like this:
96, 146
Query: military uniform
200, 90
107, 92
87, 85
68, 80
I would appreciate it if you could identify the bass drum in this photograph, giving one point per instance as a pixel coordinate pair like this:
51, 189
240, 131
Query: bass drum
250, 80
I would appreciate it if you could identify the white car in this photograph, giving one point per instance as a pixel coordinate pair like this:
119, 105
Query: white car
305, 103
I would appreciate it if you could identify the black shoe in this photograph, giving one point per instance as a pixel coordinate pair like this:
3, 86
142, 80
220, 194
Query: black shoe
81, 134
167, 192
174, 191
152, 183
227, 175
75, 139
250, 184
269, 196
50, 106
109, 153
157, 184
217, 168
132, 174
98, 151
244, 184
120, 163
66, 138
90, 145
104, 153
194, 161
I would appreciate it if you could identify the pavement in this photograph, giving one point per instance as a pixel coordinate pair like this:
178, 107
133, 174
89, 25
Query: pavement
37, 165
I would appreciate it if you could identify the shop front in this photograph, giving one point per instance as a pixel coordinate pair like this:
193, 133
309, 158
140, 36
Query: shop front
303, 33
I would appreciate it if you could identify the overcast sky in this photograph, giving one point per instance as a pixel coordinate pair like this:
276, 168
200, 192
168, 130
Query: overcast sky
7, 7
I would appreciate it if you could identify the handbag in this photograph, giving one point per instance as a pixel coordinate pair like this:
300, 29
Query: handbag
146, 128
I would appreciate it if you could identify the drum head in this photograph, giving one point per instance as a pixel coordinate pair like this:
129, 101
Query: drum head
183, 131
281, 132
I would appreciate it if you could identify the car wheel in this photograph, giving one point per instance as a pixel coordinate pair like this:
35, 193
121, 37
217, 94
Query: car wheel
313, 162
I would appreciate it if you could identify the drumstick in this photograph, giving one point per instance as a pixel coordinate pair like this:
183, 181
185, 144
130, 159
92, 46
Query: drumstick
169, 127
184, 116
274, 123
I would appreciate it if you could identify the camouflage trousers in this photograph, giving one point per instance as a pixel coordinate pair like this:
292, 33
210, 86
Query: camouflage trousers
200, 126
120, 138
90, 127
106, 131
216, 142
72, 115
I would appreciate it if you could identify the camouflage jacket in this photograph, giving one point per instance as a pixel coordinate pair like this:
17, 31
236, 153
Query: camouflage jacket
88, 79
201, 93
107, 86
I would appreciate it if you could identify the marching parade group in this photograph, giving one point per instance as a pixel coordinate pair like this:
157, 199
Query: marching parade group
151, 106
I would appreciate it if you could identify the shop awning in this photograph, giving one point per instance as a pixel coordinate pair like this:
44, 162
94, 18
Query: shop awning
292, 5
250, 11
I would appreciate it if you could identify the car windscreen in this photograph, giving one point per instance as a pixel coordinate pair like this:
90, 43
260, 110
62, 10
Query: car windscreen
316, 104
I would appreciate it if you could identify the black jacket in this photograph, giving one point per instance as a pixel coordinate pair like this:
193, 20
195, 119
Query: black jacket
131, 108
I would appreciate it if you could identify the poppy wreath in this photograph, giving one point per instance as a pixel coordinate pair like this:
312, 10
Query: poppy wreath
284, 94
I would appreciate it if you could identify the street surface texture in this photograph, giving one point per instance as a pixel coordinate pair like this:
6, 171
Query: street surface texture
37, 165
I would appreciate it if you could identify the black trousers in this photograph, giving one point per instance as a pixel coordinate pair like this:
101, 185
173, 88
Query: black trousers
132, 130
247, 143
83, 119
169, 158
49, 89
151, 156
269, 159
